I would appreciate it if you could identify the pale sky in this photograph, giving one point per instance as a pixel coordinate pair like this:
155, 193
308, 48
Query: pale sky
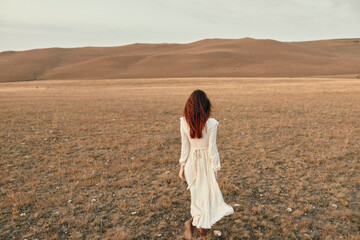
28, 24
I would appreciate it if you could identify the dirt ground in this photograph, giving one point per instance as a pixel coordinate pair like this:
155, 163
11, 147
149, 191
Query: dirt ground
98, 159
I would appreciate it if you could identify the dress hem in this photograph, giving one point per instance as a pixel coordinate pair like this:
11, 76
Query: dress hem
227, 213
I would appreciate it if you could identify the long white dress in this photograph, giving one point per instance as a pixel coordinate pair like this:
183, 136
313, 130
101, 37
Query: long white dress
201, 158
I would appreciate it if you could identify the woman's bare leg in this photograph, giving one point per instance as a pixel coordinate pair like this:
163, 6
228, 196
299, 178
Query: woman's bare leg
192, 227
189, 229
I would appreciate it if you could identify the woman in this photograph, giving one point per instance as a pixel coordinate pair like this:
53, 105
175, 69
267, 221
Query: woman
199, 164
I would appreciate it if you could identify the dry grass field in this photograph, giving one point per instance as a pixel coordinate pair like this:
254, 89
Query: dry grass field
98, 159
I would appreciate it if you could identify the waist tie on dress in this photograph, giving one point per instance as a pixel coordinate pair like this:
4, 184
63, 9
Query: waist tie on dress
196, 155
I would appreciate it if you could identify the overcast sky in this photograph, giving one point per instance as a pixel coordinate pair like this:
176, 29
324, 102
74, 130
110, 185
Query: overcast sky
27, 24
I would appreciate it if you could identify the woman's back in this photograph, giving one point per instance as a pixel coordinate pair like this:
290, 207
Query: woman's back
206, 143
199, 142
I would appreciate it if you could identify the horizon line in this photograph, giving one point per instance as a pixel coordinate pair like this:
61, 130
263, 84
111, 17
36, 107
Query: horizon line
128, 44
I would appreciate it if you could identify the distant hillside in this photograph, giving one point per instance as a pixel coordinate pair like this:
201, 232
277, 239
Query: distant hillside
205, 58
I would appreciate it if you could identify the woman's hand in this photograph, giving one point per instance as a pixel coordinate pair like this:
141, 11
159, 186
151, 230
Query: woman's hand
181, 173
216, 174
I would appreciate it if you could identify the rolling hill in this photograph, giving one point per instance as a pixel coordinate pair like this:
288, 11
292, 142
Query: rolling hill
245, 57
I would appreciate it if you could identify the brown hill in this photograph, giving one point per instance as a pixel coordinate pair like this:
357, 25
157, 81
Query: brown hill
206, 58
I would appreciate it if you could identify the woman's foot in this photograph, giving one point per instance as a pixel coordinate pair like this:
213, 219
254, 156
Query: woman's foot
202, 232
189, 229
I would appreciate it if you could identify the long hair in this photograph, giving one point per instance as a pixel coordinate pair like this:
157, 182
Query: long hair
197, 110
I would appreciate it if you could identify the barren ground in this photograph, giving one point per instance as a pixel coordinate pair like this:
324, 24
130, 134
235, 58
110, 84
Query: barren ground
98, 159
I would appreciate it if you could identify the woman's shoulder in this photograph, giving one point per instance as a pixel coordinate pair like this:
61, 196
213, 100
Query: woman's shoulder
212, 122
182, 121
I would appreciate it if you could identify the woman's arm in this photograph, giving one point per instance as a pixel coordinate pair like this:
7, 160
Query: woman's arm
185, 145
214, 154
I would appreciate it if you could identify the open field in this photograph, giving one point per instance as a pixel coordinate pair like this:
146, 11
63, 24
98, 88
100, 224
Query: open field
98, 159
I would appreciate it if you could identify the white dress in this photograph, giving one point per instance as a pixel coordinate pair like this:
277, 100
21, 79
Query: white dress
201, 158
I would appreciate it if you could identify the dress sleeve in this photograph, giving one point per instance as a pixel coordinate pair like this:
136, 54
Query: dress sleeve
185, 145
214, 154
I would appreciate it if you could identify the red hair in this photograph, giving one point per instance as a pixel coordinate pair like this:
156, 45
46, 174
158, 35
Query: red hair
196, 112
